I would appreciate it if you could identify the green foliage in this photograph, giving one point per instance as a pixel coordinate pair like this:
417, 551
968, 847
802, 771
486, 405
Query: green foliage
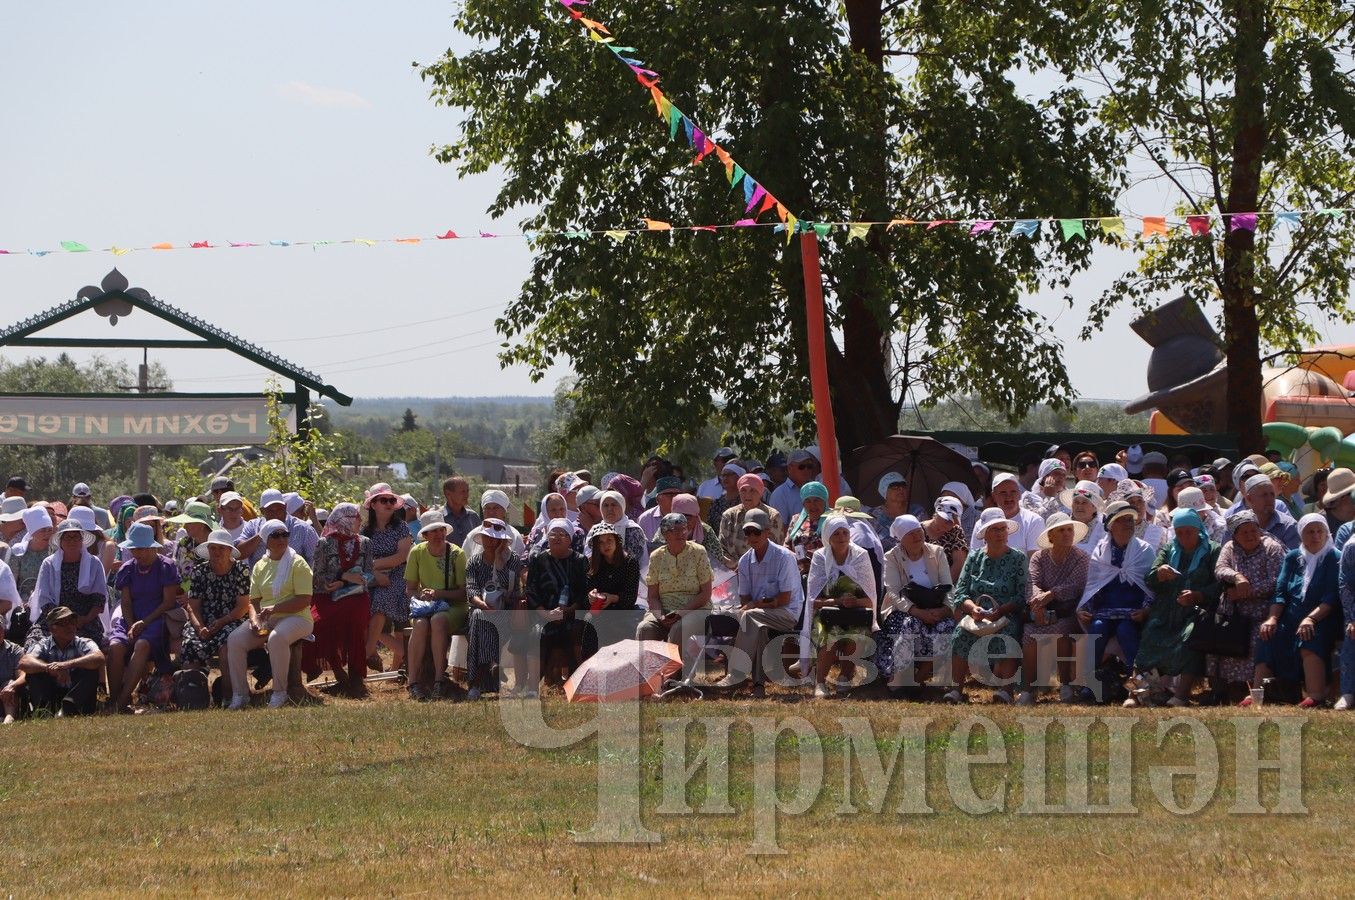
410, 421
308, 463
1237, 115
667, 334
174, 478
967, 415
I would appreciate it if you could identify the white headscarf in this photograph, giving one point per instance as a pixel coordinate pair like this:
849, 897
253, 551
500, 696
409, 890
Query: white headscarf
1310, 560
960, 490
284, 571
903, 526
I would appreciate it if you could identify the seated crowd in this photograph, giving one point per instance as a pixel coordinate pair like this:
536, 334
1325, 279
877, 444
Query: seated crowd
1135, 581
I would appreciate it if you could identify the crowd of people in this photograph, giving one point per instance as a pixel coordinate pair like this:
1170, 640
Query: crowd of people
1142, 579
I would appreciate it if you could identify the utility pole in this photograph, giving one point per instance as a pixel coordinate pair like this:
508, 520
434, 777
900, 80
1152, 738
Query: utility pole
143, 453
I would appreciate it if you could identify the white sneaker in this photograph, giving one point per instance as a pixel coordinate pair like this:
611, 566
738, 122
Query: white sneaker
1347, 701
821, 691
953, 696
1025, 698
473, 694
1002, 695
730, 681
1067, 694
277, 701
239, 701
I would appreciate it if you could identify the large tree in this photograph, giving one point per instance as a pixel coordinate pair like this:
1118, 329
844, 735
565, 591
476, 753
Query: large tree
1240, 106
859, 111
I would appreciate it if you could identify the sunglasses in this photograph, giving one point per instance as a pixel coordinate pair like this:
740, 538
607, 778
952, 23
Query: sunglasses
803, 466
385, 501
1087, 464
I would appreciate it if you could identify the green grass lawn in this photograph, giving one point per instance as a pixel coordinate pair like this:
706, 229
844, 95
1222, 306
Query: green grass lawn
392, 797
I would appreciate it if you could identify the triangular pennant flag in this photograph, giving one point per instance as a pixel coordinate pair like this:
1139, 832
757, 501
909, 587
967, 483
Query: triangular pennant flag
1026, 227
205, 245
857, 231
1288, 218
364, 242
1242, 222
821, 228
660, 102
1112, 225
767, 203
595, 26
688, 127
166, 245
449, 236
74, 247
703, 228
895, 222
242, 244
576, 235
782, 213
744, 223
792, 223
1072, 228
675, 118
38, 252
1199, 224
1154, 225
937, 223
117, 251
736, 175
618, 236
758, 193
981, 226
723, 155
1331, 213
749, 187
281, 243
656, 225
487, 234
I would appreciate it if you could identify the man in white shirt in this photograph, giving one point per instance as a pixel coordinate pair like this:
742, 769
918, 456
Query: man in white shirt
1029, 525
804, 467
711, 487
770, 599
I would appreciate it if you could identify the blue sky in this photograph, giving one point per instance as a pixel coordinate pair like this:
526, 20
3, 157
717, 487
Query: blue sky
135, 123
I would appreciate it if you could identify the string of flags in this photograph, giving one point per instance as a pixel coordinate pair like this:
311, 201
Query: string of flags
1144, 228
757, 199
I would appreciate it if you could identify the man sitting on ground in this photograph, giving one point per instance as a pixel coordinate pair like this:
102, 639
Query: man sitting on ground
62, 669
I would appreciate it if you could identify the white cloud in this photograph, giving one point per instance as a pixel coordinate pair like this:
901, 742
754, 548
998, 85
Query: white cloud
315, 95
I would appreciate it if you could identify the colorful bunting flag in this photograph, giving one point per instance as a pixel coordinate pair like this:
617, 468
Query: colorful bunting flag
74, 247
857, 231
162, 246
1112, 225
821, 228
363, 241
937, 223
1290, 219
618, 236
449, 236
1242, 222
1072, 228
204, 245
656, 225
981, 226
744, 223
117, 251
736, 175
1026, 227
1199, 225
1154, 225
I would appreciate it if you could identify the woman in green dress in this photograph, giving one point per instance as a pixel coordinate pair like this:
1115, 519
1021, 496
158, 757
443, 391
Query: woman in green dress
1182, 581
991, 590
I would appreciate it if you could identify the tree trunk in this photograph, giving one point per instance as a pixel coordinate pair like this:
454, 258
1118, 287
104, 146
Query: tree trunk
1241, 327
864, 402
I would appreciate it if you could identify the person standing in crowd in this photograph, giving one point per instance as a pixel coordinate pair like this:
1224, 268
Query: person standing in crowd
804, 467
1084, 502
341, 602
220, 486
1259, 497
775, 467
729, 494
893, 488
1182, 582
279, 614
436, 575
612, 506
666, 488
969, 507
1339, 501
712, 488
391, 543
82, 496
493, 576
1109, 477
1028, 525
494, 505
456, 491
1248, 568
771, 598
914, 618
231, 511
991, 595
301, 534
17, 486
1297, 638
1085, 466
751, 492
1057, 580
588, 499
61, 671
1051, 481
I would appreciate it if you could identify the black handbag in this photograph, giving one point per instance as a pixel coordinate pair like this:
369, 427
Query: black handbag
1220, 634
926, 597
854, 618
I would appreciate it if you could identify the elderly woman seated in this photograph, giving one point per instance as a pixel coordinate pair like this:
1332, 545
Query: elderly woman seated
1058, 577
1182, 582
679, 582
436, 576
1115, 600
557, 587
1297, 639
842, 593
914, 615
217, 602
991, 596
492, 585
1248, 568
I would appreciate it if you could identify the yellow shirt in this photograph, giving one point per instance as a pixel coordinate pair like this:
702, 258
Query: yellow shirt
299, 584
679, 578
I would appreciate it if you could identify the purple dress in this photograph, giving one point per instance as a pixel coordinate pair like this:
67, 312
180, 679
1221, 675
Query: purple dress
148, 592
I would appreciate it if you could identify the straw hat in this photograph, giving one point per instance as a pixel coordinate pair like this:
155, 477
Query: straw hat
219, 538
1061, 520
1339, 483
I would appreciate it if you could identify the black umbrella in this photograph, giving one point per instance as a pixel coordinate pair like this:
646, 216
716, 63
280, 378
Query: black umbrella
925, 462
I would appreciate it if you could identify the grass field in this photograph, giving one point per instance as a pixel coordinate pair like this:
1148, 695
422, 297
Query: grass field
388, 797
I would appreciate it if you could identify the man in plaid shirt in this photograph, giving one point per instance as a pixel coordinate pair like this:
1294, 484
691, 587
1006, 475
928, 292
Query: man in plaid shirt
62, 669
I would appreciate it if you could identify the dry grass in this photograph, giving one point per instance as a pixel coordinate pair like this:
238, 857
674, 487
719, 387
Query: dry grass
392, 797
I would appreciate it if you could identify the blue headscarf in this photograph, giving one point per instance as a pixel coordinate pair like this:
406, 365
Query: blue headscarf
1183, 517
807, 490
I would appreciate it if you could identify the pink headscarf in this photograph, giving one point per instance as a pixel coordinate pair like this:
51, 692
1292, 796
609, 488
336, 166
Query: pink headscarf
344, 520
751, 480
630, 489
688, 505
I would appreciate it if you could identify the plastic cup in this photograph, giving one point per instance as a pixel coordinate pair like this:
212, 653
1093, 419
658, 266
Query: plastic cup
1258, 696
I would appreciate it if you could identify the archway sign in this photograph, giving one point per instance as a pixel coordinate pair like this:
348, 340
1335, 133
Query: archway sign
150, 417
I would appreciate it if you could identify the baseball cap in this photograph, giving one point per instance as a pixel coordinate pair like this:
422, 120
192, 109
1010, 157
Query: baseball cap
18, 482
221, 483
230, 497
667, 484
80, 490
758, 519
776, 459
725, 453
271, 496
